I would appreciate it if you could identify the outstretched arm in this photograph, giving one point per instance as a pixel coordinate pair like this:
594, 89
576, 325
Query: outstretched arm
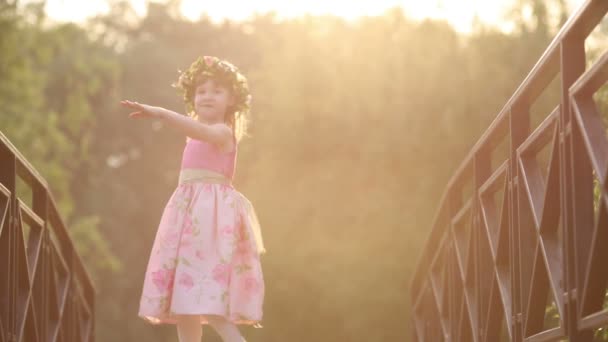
218, 134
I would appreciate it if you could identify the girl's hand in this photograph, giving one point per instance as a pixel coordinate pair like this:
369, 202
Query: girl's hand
142, 110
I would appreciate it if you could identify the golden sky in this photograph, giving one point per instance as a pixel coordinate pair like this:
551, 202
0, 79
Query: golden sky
459, 13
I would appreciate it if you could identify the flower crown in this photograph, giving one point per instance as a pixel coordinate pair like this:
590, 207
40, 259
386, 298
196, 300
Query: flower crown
210, 67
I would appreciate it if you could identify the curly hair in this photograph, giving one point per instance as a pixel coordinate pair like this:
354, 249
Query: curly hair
225, 74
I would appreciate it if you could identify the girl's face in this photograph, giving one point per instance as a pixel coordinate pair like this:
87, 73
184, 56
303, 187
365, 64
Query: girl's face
211, 100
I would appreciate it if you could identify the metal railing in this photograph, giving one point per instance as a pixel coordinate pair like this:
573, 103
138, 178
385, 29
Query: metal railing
518, 246
45, 291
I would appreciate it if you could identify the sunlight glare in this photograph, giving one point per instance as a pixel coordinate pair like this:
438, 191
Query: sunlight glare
460, 14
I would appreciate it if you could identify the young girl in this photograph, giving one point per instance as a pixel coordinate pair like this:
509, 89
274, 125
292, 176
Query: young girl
204, 267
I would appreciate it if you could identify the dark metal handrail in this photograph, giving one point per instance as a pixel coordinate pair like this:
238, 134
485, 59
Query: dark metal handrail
516, 249
46, 293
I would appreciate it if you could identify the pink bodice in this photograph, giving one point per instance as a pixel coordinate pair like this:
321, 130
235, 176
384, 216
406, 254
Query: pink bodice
200, 154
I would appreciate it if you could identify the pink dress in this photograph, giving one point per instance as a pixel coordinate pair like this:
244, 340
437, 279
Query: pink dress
204, 259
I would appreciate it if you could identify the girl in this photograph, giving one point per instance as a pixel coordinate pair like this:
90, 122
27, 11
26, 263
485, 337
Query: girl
204, 267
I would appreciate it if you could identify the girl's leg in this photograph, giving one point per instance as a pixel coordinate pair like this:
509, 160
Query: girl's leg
226, 329
189, 328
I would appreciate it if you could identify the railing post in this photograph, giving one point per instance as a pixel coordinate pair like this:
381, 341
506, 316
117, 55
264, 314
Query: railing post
41, 288
7, 288
572, 53
519, 120
481, 172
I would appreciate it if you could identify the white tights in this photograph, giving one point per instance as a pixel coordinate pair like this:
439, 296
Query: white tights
189, 328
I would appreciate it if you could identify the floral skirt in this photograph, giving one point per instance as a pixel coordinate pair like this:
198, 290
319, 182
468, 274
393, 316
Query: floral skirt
204, 260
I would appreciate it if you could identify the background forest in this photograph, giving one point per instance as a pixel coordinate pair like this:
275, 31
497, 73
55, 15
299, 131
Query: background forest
356, 128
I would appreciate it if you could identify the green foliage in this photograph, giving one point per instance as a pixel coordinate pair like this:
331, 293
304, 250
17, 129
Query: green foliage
50, 83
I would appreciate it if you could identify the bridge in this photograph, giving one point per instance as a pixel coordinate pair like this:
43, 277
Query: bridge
517, 247
515, 251
46, 293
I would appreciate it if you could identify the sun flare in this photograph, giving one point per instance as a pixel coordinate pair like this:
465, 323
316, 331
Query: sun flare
460, 14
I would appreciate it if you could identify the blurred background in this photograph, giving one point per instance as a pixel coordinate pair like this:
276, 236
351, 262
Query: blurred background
361, 112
